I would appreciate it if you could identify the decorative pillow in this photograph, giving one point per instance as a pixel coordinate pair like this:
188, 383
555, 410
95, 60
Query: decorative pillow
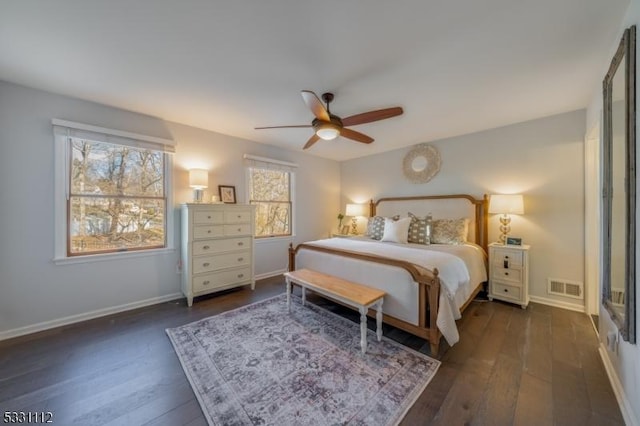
420, 229
375, 227
396, 231
449, 231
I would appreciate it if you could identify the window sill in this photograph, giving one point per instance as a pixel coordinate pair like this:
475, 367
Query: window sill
111, 256
267, 240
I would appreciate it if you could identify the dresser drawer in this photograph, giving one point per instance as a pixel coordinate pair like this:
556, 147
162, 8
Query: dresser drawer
503, 290
507, 258
513, 275
220, 246
239, 229
219, 279
221, 261
203, 231
208, 217
237, 216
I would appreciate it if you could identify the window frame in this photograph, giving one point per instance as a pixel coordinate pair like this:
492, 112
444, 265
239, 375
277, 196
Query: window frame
62, 190
255, 162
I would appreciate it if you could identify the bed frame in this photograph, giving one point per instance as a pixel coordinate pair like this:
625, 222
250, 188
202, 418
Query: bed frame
428, 282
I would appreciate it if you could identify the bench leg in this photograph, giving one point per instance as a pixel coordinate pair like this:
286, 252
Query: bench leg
363, 329
304, 295
288, 294
379, 320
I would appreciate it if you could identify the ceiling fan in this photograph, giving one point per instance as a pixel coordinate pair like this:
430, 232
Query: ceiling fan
328, 126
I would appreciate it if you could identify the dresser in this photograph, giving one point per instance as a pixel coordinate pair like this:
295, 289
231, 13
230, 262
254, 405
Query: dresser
217, 248
509, 273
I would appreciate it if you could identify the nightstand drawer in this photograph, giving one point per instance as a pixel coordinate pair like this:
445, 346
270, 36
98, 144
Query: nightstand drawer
512, 275
502, 290
506, 258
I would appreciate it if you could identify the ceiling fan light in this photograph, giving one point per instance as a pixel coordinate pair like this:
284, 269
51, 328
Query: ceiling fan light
328, 131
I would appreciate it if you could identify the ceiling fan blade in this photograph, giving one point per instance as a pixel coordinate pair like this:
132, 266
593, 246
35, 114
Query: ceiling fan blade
313, 139
315, 105
283, 127
356, 136
368, 117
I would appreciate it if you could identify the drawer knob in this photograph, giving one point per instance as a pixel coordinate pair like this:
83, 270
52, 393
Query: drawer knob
240, 275
205, 264
239, 229
240, 259
506, 290
206, 247
506, 273
206, 282
240, 243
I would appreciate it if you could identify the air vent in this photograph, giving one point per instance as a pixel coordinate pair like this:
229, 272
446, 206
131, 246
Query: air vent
617, 297
566, 288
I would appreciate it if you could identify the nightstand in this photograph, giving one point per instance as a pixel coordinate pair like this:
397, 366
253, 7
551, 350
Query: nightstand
509, 273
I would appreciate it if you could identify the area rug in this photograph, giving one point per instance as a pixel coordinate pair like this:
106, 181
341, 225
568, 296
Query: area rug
260, 365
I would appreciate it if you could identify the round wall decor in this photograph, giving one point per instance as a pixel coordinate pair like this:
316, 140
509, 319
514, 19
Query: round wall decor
421, 164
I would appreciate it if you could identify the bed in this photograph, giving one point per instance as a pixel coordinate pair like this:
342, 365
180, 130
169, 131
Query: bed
427, 286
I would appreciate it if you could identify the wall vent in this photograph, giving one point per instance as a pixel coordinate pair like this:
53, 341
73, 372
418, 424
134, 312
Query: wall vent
566, 288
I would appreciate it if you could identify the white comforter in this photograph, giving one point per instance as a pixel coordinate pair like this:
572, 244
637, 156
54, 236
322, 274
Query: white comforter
461, 268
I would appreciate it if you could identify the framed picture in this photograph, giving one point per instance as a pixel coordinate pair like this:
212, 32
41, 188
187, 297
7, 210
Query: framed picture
344, 230
513, 241
227, 194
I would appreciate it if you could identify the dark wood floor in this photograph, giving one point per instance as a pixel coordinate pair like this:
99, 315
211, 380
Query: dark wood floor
538, 366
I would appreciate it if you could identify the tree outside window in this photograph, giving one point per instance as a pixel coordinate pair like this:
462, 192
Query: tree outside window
117, 198
270, 192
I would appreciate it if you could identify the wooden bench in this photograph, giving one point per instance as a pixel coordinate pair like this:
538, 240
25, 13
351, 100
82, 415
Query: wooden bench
357, 295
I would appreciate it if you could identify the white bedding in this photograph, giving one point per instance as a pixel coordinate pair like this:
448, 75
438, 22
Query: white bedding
461, 268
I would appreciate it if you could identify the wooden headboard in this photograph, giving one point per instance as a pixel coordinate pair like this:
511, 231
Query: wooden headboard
441, 207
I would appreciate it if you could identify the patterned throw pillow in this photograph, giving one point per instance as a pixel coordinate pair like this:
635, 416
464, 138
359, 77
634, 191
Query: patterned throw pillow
420, 229
375, 227
449, 231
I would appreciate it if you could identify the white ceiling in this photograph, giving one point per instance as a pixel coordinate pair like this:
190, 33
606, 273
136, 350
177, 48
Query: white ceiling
455, 67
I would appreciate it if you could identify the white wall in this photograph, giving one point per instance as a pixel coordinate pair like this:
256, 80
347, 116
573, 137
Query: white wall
542, 159
35, 293
623, 363
317, 185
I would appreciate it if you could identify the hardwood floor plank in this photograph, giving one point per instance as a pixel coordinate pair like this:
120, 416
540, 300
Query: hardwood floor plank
498, 403
535, 402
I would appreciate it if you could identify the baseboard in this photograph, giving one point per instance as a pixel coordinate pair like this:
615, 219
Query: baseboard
558, 304
270, 274
34, 328
625, 407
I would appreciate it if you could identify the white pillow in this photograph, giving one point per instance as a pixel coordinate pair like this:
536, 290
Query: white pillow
396, 231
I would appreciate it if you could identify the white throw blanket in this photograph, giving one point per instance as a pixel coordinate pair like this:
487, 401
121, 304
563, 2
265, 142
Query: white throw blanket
461, 268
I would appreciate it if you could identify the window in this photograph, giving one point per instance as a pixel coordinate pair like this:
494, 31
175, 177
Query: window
270, 190
115, 192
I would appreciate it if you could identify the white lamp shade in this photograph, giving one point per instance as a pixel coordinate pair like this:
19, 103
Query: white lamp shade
506, 204
198, 178
355, 210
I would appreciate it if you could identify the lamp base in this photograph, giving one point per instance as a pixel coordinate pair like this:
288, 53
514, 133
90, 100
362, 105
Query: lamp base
505, 220
354, 226
198, 195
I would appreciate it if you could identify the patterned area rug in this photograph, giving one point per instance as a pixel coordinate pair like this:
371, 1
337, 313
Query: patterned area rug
259, 365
